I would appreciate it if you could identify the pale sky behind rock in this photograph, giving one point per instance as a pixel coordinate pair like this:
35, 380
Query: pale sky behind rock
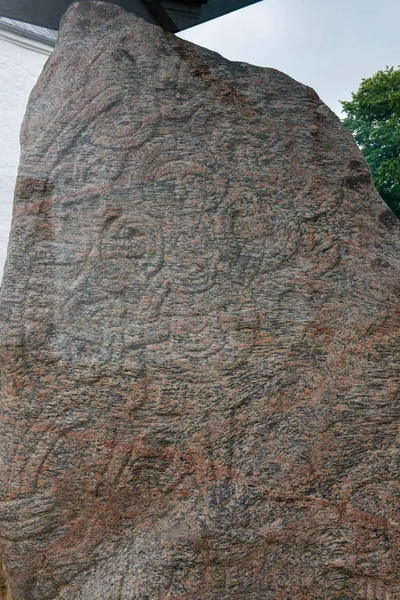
327, 44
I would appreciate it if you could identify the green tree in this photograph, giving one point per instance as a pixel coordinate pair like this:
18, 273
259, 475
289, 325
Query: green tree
373, 116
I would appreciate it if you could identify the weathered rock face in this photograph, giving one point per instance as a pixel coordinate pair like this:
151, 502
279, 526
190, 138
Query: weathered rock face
198, 334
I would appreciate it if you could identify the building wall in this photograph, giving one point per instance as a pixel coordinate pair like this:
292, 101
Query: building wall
21, 62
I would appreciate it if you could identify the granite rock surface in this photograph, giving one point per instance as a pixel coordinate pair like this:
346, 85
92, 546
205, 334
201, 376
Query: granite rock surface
199, 339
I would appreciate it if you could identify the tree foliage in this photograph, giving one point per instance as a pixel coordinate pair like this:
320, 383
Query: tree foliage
373, 116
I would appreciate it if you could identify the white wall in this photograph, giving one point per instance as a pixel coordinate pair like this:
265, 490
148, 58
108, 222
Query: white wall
21, 62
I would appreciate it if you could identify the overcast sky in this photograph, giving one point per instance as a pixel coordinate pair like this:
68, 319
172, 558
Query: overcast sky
327, 44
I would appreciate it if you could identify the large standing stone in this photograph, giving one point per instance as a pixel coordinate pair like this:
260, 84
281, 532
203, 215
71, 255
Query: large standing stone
198, 334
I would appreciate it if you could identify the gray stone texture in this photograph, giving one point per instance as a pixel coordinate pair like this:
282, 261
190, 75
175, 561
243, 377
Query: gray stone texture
199, 337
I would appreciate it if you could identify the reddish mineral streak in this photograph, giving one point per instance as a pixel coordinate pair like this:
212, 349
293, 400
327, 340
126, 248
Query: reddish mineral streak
198, 334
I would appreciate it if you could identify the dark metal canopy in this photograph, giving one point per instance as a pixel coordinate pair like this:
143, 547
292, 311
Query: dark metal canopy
171, 15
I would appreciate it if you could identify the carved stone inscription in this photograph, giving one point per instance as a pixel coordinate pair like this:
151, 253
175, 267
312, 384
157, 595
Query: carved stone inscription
198, 340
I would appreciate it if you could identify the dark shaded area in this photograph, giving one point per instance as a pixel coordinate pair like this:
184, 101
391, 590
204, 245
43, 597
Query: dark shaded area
171, 15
